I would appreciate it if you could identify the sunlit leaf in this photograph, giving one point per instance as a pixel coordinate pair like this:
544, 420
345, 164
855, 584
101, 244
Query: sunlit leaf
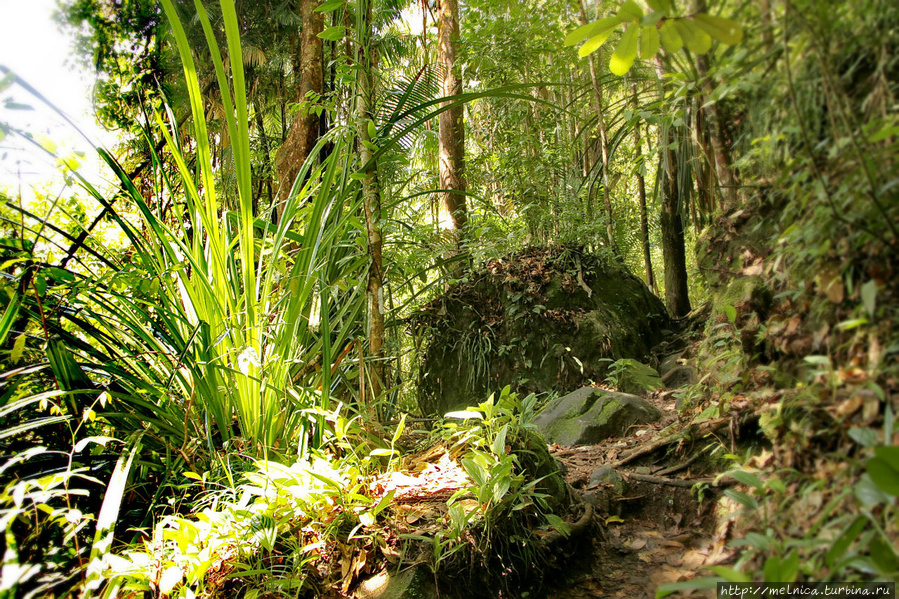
670, 37
333, 34
660, 5
18, 347
883, 474
594, 43
649, 42
626, 52
846, 538
730, 575
719, 28
591, 30
696, 40
630, 11
869, 297
330, 6
742, 498
747, 478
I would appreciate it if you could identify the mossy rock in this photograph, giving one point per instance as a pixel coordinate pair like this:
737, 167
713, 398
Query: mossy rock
544, 319
413, 583
590, 415
636, 378
745, 295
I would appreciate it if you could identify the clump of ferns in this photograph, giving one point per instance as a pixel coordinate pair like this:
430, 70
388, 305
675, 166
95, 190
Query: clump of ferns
475, 350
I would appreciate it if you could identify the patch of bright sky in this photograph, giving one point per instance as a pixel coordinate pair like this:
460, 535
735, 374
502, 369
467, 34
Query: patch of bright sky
33, 46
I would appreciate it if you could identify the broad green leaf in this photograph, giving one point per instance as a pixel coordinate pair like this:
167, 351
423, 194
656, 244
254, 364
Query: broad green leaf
499, 442
372, 130
594, 43
865, 437
869, 297
399, 430
475, 471
333, 34
626, 51
696, 40
889, 454
721, 29
883, 133
846, 538
670, 37
731, 313
747, 478
649, 42
18, 347
330, 6
652, 19
868, 493
686, 585
730, 575
743, 499
630, 11
883, 475
759, 541
883, 555
660, 5
593, 29
558, 524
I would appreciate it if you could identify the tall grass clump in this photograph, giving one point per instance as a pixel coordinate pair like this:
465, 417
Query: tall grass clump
192, 345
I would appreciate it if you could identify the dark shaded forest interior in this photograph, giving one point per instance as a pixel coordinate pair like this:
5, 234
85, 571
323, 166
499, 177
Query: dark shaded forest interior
491, 298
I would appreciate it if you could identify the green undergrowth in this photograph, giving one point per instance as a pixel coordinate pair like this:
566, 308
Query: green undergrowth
313, 526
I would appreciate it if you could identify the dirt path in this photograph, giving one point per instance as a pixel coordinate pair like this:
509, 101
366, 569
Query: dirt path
649, 535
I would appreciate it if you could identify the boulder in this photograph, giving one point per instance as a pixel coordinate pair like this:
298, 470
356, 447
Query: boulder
543, 319
636, 378
590, 415
412, 583
605, 488
680, 376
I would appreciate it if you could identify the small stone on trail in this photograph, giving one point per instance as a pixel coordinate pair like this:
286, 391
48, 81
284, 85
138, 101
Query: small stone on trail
590, 415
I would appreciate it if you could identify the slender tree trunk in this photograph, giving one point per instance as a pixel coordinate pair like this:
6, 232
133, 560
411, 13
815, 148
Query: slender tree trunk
717, 129
371, 198
641, 191
603, 140
266, 157
677, 298
304, 132
674, 254
454, 211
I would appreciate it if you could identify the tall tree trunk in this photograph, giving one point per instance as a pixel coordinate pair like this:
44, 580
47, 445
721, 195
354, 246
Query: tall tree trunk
677, 298
304, 132
371, 198
674, 254
454, 211
599, 107
641, 190
715, 120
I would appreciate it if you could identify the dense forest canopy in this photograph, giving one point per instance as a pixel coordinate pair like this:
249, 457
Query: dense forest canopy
218, 375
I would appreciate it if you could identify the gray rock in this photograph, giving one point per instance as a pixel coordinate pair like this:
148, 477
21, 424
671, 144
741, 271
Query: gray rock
590, 415
414, 583
636, 378
669, 363
605, 488
606, 475
680, 376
